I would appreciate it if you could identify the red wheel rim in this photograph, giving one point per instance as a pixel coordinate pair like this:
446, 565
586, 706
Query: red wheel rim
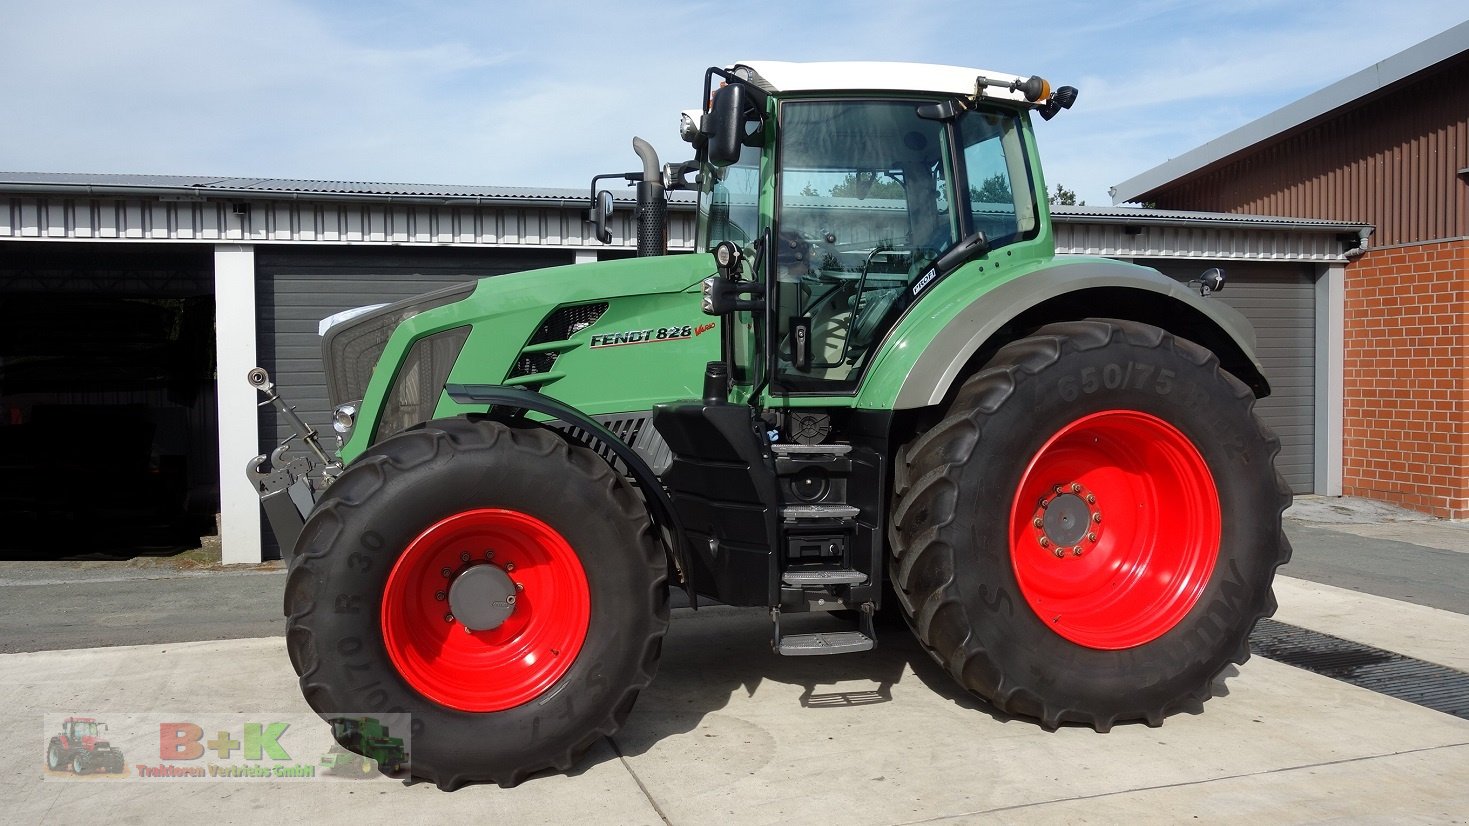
1114, 529
499, 668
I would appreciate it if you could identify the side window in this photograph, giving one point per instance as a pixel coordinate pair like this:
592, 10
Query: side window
1000, 199
731, 207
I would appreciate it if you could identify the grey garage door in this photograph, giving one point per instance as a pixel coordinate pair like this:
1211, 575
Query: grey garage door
296, 289
1280, 300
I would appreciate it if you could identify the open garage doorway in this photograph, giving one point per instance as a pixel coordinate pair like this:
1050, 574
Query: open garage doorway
108, 426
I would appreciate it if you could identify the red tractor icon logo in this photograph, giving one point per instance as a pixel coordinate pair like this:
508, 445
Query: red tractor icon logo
80, 748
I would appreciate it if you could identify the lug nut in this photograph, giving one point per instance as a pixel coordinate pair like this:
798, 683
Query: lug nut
464, 557
509, 566
446, 572
1091, 499
520, 586
1045, 543
1076, 550
1097, 518
489, 554
1045, 503
1038, 522
1091, 537
1055, 488
448, 618
1076, 487
1060, 552
440, 596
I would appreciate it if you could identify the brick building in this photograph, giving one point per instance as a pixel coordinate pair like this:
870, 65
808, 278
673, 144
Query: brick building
1388, 146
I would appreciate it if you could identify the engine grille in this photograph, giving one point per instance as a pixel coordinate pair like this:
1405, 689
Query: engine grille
563, 323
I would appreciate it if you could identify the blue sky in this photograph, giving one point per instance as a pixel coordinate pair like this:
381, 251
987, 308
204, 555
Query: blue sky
550, 93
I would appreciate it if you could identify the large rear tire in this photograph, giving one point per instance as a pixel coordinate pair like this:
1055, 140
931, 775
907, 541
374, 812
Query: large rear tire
543, 551
1090, 533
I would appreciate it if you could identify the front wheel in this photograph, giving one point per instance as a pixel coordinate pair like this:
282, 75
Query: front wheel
1090, 534
55, 757
497, 584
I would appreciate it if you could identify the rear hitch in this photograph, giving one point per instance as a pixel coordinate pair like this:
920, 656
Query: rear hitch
284, 479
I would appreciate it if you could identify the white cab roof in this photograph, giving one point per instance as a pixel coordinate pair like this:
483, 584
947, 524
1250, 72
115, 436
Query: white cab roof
852, 76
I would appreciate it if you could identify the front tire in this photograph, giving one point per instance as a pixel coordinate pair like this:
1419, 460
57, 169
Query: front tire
449, 519
55, 757
1090, 534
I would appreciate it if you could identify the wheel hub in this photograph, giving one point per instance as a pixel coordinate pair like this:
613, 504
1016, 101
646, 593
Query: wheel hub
1067, 520
482, 597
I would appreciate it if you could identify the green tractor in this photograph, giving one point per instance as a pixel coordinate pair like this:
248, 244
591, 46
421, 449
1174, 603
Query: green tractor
876, 386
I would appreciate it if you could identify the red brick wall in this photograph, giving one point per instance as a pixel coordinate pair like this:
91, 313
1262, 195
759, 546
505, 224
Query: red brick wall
1406, 405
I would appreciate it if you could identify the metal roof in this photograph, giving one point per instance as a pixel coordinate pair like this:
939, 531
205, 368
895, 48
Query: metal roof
186, 186
1143, 216
1430, 52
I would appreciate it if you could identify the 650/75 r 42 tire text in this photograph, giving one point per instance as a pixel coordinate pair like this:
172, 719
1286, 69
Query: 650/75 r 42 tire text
1090, 533
496, 583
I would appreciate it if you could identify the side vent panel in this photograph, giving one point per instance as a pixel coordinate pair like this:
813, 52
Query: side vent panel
537, 360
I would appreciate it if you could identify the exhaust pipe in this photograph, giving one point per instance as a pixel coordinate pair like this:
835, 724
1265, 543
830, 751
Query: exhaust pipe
652, 203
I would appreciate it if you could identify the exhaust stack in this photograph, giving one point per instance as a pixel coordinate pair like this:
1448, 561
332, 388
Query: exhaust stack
652, 203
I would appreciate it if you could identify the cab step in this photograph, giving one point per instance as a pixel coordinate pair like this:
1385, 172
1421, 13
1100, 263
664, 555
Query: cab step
792, 513
823, 576
863, 638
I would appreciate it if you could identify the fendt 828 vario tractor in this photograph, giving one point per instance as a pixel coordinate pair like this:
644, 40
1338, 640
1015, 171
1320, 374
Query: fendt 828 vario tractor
875, 386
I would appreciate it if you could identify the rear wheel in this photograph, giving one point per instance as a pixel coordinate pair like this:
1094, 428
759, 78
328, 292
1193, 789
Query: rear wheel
1090, 534
78, 766
497, 584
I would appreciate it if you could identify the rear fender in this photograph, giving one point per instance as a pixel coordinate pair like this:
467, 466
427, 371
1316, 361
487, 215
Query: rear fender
1065, 291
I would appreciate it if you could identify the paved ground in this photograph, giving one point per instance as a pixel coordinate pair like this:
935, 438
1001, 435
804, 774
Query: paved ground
731, 733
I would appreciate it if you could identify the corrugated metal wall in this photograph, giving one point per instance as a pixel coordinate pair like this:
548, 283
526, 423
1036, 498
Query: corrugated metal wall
329, 222
1393, 162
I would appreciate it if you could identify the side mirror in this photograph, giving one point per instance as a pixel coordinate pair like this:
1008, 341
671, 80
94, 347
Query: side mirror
599, 213
726, 122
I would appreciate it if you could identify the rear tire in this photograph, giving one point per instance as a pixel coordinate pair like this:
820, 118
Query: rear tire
1090, 534
370, 628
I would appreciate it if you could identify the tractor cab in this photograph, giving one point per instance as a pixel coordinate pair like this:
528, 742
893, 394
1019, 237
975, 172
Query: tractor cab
851, 204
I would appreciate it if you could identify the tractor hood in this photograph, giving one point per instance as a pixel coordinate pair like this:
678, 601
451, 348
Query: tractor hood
610, 337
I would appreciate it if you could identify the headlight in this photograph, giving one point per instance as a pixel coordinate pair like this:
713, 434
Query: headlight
344, 418
351, 349
420, 381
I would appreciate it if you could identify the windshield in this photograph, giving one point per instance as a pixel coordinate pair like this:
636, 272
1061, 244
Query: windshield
868, 199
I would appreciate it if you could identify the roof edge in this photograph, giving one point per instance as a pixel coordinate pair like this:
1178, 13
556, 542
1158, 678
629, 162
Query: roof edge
1437, 49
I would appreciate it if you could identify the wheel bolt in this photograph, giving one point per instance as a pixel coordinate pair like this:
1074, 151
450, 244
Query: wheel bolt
1097, 517
520, 586
1076, 487
1045, 543
1091, 499
1038, 522
446, 572
1055, 488
509, 566
448, 618
1045, 503
489, 554
1076, 550
1091, 537
1060, 552
440, 596
464, 557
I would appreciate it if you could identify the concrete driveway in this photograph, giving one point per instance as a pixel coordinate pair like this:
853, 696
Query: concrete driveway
730, 733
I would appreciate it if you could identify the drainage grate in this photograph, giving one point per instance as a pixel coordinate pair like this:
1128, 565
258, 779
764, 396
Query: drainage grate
1426, 684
